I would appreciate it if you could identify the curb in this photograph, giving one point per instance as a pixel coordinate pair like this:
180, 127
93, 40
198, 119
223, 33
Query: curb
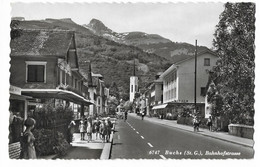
216, 137
105, 155
203, 134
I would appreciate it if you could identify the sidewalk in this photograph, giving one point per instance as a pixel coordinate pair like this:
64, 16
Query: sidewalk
205, 132
82, 149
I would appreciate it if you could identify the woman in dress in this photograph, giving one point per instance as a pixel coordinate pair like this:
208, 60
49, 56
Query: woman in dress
82, 129
27, 140
89, 130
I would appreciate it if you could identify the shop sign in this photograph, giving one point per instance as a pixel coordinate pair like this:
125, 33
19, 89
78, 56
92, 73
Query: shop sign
15, 90
180, 101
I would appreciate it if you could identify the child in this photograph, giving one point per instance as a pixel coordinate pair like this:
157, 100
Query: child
27, 140
82, 129
89, 130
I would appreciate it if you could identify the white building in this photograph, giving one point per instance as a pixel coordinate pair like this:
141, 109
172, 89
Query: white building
133, 87
179, 81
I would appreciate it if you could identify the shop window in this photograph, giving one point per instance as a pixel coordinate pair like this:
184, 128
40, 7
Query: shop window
36, 71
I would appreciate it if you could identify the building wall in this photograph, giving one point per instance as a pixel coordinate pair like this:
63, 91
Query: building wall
133, 87
170, 83
18, 72
158, 93
185, 77
92, 91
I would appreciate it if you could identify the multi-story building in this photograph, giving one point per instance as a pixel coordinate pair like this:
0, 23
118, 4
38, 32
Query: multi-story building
98, 94
133, 87
44, 67
178, 82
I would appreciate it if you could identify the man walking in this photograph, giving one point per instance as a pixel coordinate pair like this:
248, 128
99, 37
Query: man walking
143, 115
125, 115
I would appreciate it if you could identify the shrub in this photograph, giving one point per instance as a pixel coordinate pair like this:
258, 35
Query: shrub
48, 142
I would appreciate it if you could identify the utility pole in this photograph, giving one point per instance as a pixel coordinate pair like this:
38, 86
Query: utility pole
195, 78
134, 67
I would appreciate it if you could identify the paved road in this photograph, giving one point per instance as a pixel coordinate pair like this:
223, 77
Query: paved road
137, 139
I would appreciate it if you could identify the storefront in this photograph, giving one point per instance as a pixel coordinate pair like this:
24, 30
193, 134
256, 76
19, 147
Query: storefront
173, 109
18, 113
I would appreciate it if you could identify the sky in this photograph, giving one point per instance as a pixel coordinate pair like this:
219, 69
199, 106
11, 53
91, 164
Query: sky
179, 22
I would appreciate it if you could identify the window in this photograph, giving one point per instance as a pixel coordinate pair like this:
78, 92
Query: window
203, 91
35, 71
206, 62
76, 83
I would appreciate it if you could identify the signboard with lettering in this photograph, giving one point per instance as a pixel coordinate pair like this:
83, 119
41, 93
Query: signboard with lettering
15, 90
180, 101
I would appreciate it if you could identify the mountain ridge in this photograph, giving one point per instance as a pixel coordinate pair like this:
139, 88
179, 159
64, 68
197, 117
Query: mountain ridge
106, 54
150, 43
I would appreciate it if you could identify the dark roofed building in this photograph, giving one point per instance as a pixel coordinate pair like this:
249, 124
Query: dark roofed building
44, 65
42, 43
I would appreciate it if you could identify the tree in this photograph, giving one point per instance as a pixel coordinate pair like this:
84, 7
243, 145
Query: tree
113, 102
113, 90
216, 99
128, 105
234, 44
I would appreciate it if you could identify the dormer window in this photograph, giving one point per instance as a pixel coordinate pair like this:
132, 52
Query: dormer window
35, 71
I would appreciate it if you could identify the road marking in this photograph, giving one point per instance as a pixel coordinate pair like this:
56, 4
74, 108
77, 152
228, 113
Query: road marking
118, 137
150, 144
137, 132
133, 128
163, 157
142, 137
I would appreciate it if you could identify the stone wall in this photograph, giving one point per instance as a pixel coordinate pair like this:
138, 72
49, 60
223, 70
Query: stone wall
241, 130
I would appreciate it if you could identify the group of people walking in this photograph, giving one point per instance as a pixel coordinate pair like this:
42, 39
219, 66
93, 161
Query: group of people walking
197, 122
98, 128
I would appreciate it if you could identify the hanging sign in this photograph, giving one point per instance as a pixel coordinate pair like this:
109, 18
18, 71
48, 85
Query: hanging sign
15, 90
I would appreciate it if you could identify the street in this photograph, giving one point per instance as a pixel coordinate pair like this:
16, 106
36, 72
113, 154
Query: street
142, 139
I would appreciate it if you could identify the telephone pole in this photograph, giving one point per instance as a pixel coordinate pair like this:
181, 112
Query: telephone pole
195, 78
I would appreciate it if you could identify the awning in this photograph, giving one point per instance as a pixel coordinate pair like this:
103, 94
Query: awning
56, 93
162, 106
18, 97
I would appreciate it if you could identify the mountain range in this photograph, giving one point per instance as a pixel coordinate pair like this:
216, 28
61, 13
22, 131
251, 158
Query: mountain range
114, 54
150, 43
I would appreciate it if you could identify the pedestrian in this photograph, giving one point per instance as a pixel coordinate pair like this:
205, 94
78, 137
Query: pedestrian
82, 129
196, 123
143, 115
98, 128
209, 123
27, 140
95, 128
109, 126
125, 115
89, 130
103, 130
71, 128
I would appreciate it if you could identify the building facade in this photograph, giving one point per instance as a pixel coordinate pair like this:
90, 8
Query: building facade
179, 80
133, 87
44, 67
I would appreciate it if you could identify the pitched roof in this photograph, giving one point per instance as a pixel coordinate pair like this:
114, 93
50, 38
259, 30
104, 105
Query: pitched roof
173, 66
41, 42
193, 56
